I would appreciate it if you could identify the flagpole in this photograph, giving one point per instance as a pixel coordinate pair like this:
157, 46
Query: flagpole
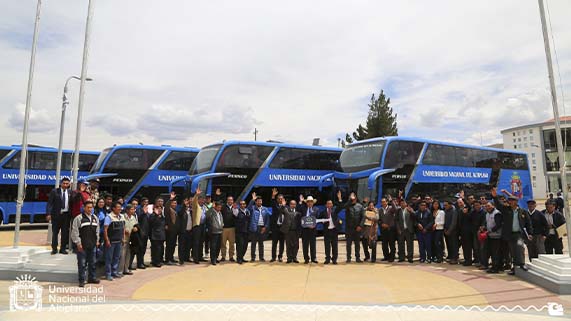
24, 151
560, 150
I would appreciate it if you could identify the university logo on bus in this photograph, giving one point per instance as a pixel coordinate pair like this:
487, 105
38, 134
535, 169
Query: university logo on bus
294, 177
26, 294
516, 185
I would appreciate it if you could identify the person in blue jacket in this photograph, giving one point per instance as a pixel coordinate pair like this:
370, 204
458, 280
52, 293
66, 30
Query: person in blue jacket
259, 225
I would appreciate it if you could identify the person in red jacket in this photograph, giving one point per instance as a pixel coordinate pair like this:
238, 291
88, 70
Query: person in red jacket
79, 197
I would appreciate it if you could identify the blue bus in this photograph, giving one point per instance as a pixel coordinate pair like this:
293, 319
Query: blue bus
239, 168
40, 179
378, 167
130, 171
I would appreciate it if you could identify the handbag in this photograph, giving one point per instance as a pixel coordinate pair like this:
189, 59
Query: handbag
482, 236
372, 237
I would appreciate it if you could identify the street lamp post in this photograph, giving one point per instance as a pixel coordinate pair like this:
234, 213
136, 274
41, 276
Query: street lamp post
64, 104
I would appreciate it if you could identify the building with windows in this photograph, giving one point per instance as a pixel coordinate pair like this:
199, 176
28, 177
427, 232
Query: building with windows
538, 141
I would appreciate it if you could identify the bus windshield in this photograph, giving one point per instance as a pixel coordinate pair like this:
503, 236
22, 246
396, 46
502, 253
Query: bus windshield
204, 159
361, 157
100, 160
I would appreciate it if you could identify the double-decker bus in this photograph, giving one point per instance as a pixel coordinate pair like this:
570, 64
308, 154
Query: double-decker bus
378, 167
40, 179
130, 171
239, 168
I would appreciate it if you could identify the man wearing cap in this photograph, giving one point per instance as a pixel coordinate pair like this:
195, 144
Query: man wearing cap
516, 227
308, 233
553, 242
539, 224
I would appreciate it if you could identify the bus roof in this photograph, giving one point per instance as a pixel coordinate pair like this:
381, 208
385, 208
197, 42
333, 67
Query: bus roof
429, 141
158, 147
46, 149
274, 144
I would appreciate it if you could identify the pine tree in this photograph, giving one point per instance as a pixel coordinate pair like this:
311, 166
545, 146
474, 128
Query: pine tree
380, 121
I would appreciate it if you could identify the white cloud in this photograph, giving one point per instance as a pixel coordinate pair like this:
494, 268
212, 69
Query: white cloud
194, 73
41, 121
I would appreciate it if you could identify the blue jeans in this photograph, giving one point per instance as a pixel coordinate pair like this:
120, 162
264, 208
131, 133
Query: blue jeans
112, 257
424, 245
86, 261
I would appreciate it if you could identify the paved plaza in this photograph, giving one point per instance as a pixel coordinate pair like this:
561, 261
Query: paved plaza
387, 285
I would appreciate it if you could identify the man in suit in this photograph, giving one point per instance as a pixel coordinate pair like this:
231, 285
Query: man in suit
388, 230
157, 235
172, 228
184, 232
58, 213
516, 228
477, 217
199, 210
259, 225
215, 223
278, 238
291, 228
143, 219
404, 221
451, 231
242, 220
553, 242
331, 228
309, 233
425, 224
540, 231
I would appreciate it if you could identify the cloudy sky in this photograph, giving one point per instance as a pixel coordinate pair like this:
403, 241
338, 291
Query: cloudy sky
191, 73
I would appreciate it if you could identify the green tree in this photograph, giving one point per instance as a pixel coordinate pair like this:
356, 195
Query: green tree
380, 121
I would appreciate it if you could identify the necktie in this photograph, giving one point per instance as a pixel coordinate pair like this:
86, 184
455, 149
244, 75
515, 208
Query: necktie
64, 196
328, 213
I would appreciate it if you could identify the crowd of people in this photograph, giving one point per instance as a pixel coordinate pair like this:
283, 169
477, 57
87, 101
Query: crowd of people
491, 231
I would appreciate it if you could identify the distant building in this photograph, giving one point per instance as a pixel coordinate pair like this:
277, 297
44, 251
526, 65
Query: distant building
538, 141
500, 146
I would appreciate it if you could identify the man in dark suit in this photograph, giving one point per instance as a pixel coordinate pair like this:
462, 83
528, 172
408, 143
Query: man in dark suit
157, 235
388, 229
184, 231
278, 238
451, 231
516, 228
291, 227
242, 221
172, 228
308, 232
540, 231
404, 221
554, 218
143, 219
331, 228
58, 213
